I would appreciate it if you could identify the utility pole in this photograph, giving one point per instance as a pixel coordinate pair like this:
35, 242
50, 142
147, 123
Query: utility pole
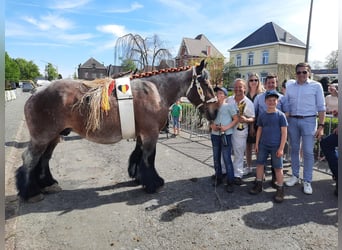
308, 35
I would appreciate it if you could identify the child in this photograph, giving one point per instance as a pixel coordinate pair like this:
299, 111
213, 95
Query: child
270, 139
176, 113
221, 132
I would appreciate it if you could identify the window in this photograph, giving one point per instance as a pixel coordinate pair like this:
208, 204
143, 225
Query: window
250, 59
238, 60
263, 76
265, 55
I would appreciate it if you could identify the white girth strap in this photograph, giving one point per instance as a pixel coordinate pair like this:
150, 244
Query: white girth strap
126, 108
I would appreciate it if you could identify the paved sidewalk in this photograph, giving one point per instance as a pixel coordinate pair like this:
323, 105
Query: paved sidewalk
101, 208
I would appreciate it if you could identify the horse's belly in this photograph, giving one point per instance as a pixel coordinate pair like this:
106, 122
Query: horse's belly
104, 140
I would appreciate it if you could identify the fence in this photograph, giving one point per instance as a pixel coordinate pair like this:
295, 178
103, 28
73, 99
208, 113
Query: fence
197, 127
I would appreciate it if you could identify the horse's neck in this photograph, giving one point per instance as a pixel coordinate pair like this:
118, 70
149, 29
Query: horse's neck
172, 86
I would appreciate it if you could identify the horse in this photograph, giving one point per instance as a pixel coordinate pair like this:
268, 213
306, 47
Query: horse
62, 107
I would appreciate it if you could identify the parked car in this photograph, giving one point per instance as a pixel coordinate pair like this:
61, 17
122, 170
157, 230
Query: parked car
28, 87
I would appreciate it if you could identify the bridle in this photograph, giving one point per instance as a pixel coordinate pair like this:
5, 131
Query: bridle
199, 89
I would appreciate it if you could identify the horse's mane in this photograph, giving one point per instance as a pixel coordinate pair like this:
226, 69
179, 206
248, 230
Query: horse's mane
97, 91
156, 72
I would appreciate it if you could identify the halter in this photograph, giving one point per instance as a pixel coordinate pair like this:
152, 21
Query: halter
199, 89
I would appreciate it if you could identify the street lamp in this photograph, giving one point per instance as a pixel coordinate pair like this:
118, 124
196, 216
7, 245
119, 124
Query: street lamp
308, 35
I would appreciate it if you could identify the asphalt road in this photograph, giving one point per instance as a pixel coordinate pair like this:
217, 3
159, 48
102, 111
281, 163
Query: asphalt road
101, 208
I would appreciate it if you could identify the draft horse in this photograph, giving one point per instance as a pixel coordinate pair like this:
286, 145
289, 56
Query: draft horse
51, 113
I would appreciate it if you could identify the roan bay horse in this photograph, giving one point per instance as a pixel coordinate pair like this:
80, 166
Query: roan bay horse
57, 110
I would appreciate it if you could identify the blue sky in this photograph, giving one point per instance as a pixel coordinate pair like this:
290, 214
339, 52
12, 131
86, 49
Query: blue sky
67, 33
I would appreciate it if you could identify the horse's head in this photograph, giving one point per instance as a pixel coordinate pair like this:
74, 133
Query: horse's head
201, 94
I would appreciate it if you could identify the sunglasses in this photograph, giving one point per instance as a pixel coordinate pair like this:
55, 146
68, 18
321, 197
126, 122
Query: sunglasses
301, 72
255, 80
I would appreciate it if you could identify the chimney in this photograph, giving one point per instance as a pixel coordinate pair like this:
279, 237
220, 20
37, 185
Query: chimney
208, 50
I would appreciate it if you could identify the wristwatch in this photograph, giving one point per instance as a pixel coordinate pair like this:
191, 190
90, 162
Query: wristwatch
321, 125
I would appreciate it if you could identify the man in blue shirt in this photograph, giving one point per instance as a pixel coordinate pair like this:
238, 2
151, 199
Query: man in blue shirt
303, 100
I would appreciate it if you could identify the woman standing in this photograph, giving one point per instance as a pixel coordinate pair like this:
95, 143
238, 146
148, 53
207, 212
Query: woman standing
254, 87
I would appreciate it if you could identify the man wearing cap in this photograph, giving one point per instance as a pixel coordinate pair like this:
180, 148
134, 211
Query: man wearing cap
303, 100
221, 132
270, 139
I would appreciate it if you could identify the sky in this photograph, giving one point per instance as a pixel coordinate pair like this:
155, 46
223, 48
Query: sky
67, 33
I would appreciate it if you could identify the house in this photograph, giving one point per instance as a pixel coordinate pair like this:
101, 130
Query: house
91, 70
270, 49
194, 50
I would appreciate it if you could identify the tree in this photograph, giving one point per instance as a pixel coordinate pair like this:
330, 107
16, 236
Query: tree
51, 72
12, 71
332, 60
230, 73
145, 53
128, 65
215, 67
28, 69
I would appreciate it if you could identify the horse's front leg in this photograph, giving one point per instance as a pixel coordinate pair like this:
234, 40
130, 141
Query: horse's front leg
135, 160
150, 180
26, 175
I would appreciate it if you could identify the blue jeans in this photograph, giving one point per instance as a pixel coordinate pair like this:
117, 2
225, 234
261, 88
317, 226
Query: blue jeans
328, 145
226, 152
176, 123
302, 129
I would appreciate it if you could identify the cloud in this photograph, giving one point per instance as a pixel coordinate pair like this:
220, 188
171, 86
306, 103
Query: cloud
48, 22
67, 4
134, 6
117, 30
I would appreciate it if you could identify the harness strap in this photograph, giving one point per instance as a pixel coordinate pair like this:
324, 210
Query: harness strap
126, 108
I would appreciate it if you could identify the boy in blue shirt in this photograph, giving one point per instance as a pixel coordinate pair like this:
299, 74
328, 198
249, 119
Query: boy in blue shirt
270, 139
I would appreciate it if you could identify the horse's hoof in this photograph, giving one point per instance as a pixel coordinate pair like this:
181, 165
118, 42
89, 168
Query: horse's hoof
36, 198
54, 188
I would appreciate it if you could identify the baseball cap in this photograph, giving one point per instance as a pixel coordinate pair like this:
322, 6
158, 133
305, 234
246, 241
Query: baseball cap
223, 89
271, 93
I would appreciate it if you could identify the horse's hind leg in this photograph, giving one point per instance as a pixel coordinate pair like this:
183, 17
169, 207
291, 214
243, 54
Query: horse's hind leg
26, 175
45, 180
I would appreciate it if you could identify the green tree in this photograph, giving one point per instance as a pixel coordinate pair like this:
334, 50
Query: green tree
128, 64
28, 69
332, 60
12, 71
51, 73
230, 73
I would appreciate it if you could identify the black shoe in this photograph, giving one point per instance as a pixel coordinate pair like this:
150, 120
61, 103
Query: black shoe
257, 188
230, 187
279, 196
217, 182
237, 181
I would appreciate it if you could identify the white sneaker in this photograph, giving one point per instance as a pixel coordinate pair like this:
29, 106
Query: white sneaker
247, 171
292, 181
307, 188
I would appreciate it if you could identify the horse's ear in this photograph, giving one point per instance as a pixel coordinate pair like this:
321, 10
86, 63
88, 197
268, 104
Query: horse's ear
202, 64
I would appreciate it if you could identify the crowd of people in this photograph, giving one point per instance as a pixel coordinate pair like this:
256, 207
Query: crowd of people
258, 117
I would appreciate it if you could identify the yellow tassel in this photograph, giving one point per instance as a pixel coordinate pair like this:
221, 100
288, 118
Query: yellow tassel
105, 100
